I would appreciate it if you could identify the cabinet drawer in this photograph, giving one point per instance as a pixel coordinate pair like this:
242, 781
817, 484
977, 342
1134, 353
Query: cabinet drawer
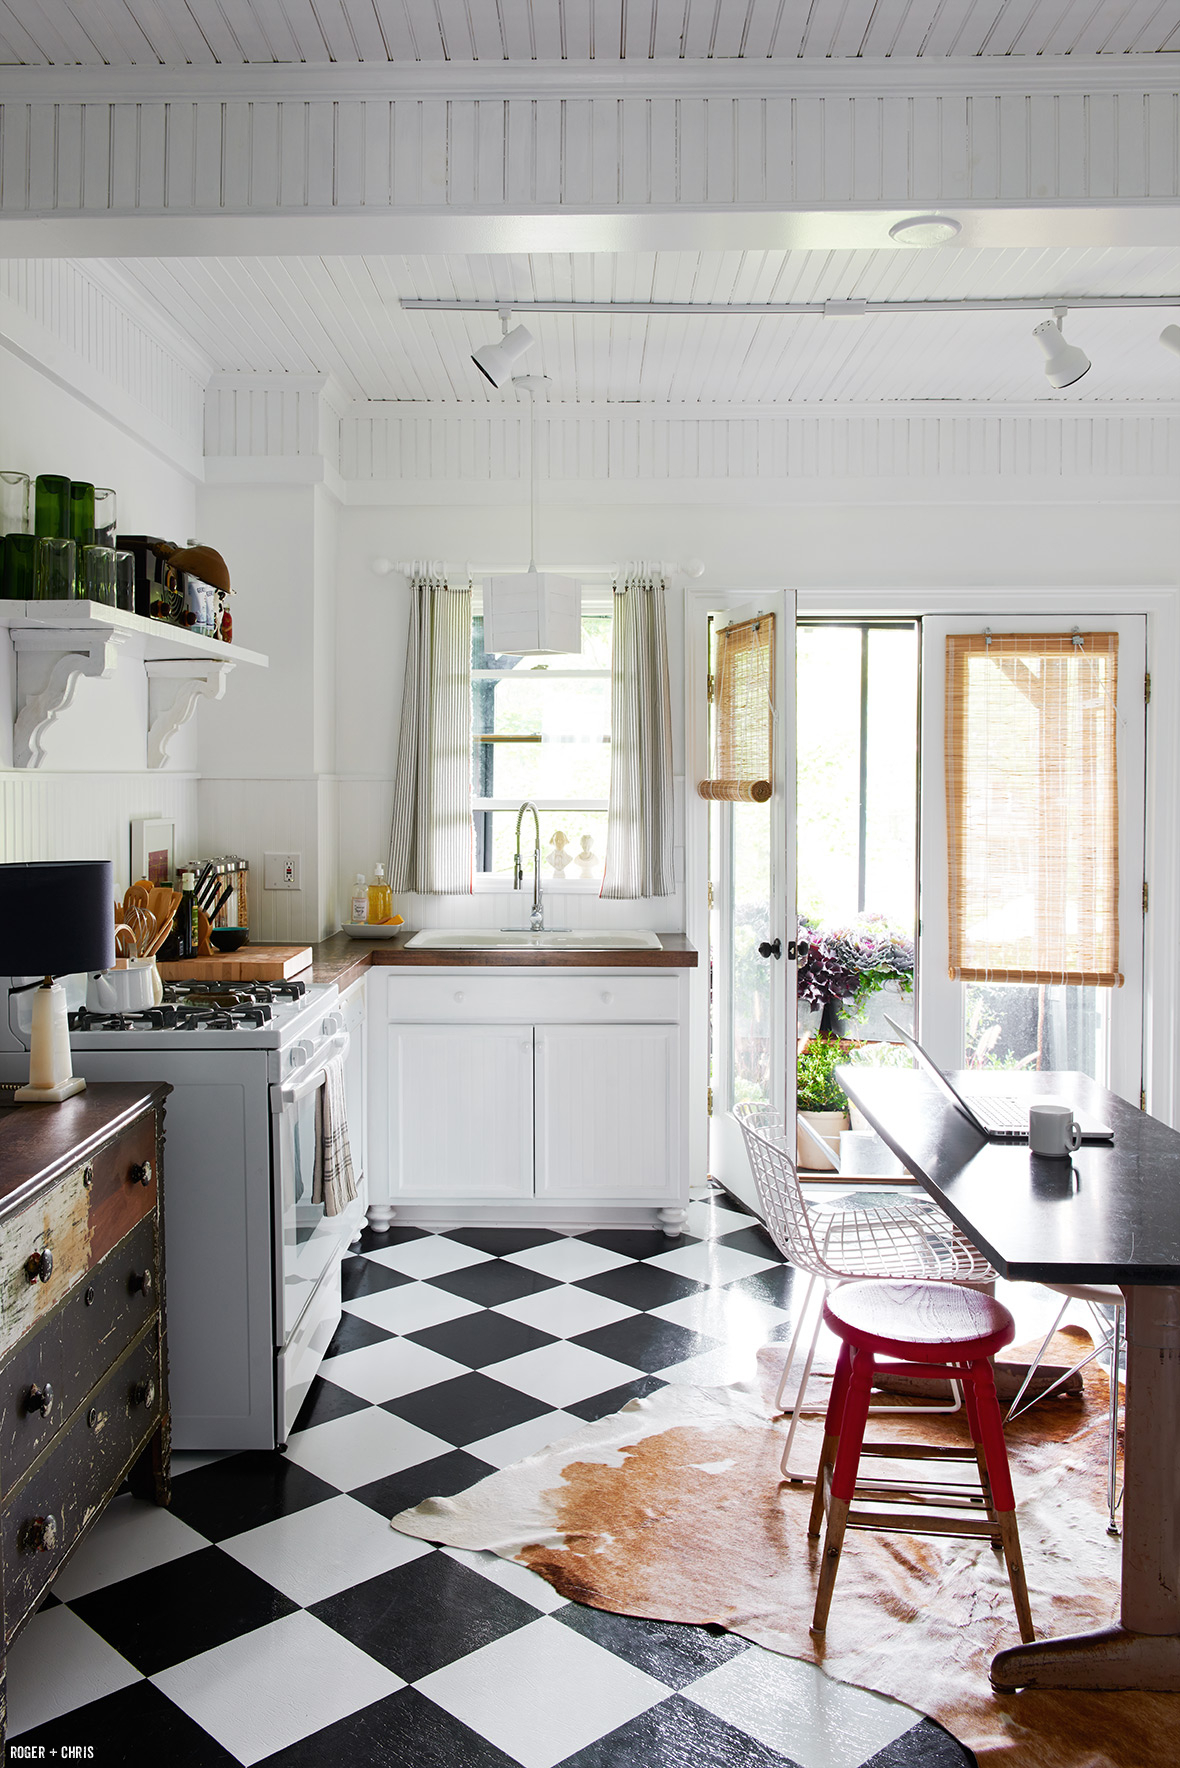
66, 1357
43, 1518
73, 1225
472, 996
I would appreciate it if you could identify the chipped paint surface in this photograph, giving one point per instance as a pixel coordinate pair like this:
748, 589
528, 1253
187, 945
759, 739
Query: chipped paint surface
59, 1222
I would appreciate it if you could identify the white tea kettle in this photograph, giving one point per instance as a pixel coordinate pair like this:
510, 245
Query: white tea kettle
129, 988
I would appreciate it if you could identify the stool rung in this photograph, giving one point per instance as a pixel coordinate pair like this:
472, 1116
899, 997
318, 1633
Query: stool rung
923, 1488
922, 1525
919, 1452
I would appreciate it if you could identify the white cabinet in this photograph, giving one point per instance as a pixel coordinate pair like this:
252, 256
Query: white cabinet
503, 1095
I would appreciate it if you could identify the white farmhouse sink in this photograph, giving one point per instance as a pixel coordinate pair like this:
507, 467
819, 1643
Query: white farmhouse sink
521, 939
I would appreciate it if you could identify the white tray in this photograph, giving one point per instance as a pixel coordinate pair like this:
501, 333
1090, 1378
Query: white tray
370, 930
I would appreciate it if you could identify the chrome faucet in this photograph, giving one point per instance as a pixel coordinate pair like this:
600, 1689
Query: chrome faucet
536, 913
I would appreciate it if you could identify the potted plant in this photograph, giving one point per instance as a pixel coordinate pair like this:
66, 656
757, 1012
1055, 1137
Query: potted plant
820, 1100
847, 966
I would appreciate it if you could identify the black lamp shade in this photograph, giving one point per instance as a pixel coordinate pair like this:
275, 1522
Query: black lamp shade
56, 916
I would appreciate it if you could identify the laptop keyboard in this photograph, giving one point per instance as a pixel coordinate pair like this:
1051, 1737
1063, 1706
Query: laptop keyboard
997, 1113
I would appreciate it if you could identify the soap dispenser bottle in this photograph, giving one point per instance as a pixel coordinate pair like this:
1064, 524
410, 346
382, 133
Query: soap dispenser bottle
359, 907
380, 896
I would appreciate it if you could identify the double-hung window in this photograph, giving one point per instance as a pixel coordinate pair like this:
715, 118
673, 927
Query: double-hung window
540, 730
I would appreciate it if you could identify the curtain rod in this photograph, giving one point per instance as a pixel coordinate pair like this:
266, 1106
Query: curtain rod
787, 309
604, 573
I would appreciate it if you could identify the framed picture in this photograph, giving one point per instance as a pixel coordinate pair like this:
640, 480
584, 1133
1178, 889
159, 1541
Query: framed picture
152, 849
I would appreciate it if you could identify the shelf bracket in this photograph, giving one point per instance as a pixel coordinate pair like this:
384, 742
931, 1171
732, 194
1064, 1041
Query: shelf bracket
49, 666
174, 688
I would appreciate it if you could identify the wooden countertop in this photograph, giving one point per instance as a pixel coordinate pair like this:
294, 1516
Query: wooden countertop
40, 1142
342, 959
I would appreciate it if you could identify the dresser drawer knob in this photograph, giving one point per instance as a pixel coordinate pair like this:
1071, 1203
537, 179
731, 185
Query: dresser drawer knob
144, 1393
140, 1283
40, 1399
39, 1534
39, 1265
140, 1173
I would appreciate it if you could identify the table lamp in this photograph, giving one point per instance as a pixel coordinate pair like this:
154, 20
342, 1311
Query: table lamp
55, 918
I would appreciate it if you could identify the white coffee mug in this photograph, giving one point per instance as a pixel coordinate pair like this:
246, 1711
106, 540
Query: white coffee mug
1052, 1129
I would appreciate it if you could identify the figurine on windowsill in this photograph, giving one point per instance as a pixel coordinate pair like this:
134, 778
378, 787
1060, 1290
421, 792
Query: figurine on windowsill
557, 857
588, 863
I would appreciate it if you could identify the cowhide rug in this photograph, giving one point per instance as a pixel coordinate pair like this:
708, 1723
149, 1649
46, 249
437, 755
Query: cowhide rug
672, 1510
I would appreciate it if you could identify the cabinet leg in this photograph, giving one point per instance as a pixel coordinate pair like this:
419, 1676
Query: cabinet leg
151, 1476
380, 1217
672, 1221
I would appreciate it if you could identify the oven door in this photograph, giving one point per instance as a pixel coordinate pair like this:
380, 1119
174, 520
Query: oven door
306, 1240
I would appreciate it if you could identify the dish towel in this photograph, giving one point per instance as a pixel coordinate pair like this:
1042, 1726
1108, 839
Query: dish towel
337, 1184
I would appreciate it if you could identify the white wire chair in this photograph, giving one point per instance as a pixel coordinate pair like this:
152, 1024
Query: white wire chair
836, 1244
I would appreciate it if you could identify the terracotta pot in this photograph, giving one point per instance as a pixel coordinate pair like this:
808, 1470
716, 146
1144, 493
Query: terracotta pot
827, 1126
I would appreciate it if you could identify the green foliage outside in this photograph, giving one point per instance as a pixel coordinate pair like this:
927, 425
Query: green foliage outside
816, 1086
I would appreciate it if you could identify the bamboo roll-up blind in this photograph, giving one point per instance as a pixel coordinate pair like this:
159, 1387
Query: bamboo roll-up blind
743, 706
1032, 810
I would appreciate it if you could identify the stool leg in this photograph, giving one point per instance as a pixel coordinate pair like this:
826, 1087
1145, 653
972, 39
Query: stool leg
992, 1432
985, 1483
827, 1454
852, 1430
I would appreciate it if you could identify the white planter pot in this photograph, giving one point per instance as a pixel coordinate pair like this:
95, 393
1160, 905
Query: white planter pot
827, 1125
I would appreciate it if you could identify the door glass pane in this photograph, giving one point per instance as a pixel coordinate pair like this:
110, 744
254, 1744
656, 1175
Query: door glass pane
753, 976
1023, 1025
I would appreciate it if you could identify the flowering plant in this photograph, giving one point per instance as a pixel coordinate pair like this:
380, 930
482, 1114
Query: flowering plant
847, 965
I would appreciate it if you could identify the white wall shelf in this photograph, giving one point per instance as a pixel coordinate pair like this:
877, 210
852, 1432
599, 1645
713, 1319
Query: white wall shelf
57, 644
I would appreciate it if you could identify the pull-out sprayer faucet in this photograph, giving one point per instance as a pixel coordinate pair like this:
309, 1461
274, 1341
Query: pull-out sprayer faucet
536, 913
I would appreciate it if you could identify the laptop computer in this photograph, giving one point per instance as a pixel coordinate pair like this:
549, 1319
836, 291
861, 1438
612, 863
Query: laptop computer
999, 1117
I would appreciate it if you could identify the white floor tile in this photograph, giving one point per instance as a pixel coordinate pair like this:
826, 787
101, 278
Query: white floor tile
511, 1576
542, 1692
324, 1548
710, 1262
510, 1446
264, 1690
386, 1371
725, 1314
131, 1536
565, 1311
568, 1260
365, 1446
429, 1257
713, 1368
59, 1663
794, 1708
712, 1220
411, 1308
561, 1374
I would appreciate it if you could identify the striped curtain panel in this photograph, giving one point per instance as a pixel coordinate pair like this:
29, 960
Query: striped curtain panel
639, 819
430, 847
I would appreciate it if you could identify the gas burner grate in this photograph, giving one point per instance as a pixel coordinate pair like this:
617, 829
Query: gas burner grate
224, 1018
156, 1018
232, 994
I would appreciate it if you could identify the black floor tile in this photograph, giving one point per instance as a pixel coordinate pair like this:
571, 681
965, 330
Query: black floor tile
135, 1726
493, 1283
440, 1478
365, 1276
779, 1286
423, 1615
641, 1286
479, 1339
501, 1241
405, 1730
355, 1334
324, 1402
243, 1491
467, 1408
727, 1200
671, 1651
638, 1243
677, 1734
646, 1342
602, 1405
754, 1240
377, 1239
924, 1745
207, 1597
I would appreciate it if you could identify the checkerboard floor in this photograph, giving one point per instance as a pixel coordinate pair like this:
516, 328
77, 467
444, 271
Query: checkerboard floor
272, 1616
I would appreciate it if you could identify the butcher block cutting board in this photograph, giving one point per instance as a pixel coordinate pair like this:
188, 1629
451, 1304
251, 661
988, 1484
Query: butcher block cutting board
251, 963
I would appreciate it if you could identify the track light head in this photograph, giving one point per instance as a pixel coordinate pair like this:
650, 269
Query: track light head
497, 361
1170, 338
1065, 363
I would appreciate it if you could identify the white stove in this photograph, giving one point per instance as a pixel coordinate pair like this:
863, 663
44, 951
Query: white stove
252, 1262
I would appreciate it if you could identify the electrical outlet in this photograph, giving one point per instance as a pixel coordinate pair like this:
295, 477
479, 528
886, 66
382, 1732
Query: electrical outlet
280, 871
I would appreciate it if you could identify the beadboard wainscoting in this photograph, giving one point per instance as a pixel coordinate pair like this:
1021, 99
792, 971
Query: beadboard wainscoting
47, 816
294, 815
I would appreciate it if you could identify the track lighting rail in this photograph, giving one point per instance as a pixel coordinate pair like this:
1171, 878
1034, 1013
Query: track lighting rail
789, 309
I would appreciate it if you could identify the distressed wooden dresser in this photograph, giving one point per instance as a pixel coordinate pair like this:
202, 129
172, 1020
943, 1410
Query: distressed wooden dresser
83, 1370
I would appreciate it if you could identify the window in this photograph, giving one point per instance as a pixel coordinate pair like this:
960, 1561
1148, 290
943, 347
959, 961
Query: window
540, 729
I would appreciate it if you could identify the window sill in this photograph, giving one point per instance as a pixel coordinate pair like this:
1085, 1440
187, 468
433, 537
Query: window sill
494, 884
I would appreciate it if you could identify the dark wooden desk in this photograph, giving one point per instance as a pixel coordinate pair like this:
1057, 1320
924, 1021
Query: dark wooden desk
1110, 1215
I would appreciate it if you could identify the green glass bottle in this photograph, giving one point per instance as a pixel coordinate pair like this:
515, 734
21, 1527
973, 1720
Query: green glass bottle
51, 507
20, 555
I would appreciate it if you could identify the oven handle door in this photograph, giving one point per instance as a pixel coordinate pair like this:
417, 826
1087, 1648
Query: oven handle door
310, 1078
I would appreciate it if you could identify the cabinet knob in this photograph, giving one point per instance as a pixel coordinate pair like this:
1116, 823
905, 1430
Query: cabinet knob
39, 1534
459, 995
526, 1049
140, 1173
39, 1265
606, 997
143, 1393
40, 1399
140, 1283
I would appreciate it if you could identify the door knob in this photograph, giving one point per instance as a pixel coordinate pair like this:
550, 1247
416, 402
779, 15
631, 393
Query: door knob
771, 948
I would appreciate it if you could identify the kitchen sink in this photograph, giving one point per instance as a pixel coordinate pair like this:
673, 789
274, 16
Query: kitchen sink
522, 939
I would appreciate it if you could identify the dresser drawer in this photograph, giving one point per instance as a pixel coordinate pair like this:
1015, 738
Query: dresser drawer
47, 1247
42, 1519
472, 996
53, 1369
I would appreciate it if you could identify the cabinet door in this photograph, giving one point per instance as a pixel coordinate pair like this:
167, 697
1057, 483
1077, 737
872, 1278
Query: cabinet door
461, 1111
608, 1112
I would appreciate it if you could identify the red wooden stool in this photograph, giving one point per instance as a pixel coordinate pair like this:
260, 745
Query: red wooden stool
919, 1329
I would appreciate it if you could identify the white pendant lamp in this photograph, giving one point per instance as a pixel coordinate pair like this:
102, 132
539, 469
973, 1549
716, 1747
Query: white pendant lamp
1065, 363
532, 613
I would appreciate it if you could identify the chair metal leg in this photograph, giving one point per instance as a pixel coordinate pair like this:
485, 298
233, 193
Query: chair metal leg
1015, 1408
1112, 1492
787, 1366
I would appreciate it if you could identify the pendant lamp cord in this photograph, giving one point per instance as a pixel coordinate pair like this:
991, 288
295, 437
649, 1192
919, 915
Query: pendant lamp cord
532, 482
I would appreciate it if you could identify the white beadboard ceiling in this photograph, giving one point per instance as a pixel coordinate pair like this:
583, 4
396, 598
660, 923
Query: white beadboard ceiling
126, 33
341, 317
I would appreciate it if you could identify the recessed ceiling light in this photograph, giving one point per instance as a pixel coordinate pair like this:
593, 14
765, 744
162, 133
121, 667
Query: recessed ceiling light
925, 230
